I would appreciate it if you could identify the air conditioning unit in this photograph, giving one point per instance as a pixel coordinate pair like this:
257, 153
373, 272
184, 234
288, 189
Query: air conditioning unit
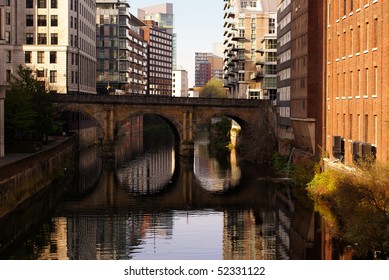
337, 150
366, 149
369, 151
356, 151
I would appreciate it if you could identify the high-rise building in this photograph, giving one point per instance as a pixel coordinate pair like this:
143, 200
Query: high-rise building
56, 39
246, 24
160, 59
356, 62
163, 16
203, 69
284, 45
207, 66
121, 49
180, 83
307, 91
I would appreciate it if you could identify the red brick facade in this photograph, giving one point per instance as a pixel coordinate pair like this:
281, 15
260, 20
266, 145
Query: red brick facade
357, 78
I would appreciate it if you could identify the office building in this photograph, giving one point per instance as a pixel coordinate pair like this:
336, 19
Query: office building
207, 66
284, 45
121, 49
163, 16
56, 39
160, 59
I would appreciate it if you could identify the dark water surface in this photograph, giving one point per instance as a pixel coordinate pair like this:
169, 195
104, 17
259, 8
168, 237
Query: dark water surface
152, 204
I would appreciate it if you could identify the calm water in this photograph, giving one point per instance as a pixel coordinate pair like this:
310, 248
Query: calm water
154, 205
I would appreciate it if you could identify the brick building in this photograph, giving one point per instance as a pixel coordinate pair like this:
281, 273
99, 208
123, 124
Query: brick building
307, 92
356, 79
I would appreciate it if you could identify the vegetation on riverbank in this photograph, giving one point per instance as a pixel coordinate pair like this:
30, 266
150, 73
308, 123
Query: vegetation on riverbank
355, 203
29, 114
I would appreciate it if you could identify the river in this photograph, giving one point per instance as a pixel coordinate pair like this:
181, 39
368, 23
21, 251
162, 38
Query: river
153, 204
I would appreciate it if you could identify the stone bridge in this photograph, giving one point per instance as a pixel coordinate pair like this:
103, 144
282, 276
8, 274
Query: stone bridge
184, 115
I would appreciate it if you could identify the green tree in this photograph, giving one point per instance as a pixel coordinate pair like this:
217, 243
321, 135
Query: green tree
29, 111
213, 89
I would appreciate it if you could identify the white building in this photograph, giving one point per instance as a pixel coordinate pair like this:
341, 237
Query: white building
56, 39
180, 83
246, 23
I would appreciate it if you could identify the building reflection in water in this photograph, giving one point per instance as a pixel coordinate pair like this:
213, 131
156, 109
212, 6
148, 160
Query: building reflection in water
208, 169
128, 216
147, 174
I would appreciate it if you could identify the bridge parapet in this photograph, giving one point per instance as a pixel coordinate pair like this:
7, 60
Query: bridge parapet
157, 100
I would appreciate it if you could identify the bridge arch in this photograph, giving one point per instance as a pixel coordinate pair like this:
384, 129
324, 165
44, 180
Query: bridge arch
171, 122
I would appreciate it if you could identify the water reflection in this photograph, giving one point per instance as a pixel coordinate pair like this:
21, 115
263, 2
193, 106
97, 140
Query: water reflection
147, 174
216, 174
155, 205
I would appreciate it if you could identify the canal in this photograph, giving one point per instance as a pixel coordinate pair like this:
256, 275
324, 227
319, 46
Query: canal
153, 204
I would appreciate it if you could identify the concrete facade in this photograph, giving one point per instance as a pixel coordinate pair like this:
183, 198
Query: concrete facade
122, 52
284, 44
357, 79
56, 39
246, 23
180, 83
160, 59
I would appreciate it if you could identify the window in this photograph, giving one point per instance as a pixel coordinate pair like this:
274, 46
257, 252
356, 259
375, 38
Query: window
344, 7
42, 39
8, 76
351, 5
375, 91
29, 20
375, 34
54, 20
7, 37
53, 57
54, 38
351, 127
7, 18
272, 25
8, 57
8, 3
27, 57
40, 57
40, 73
54, 4
42, 20
29, 38
41, 4
367, 81
29, 4
366, 136
53, 76
367, 36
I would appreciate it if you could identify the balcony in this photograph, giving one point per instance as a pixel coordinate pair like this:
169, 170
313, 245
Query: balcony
257, 76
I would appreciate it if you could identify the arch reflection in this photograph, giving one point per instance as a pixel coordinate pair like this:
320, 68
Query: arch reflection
215, 174
147, 174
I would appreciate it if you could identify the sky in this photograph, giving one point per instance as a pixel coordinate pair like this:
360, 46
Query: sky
198, 24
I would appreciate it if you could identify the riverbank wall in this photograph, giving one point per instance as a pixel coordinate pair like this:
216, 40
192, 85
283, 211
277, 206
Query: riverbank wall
24, 177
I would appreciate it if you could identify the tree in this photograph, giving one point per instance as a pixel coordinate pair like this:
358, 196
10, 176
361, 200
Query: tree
29, 111
213, 89
258, 141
